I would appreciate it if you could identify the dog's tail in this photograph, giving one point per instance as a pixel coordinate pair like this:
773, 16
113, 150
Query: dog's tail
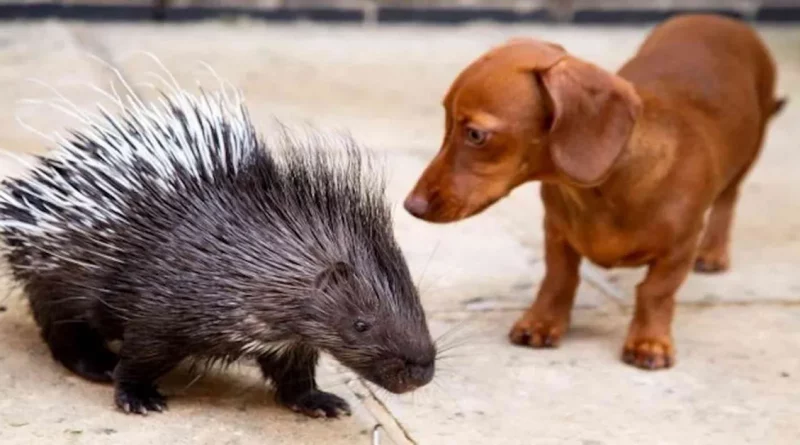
778, 104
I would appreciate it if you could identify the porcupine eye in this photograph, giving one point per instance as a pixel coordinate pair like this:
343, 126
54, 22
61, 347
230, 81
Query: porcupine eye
360, 326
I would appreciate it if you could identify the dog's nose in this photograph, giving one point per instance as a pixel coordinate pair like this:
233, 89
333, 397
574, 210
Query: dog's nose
416, 205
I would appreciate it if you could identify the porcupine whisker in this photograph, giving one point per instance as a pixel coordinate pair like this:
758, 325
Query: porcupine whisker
475, 337
467, 338
428, 394
448, 355
460, 329
428, 262
461, 352
450, 331
474, 349
444, 347
438, 385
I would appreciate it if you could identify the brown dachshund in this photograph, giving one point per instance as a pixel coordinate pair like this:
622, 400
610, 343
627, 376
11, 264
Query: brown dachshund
629, 163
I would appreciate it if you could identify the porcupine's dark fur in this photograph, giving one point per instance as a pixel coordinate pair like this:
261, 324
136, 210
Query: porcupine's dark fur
275, 252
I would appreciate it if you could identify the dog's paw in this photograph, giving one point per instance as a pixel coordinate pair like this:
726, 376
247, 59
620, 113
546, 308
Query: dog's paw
319, 404
528, 331
649, 353
711, 261
139, 399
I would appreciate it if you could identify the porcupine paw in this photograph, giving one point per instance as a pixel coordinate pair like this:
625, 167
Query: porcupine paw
319, 404
139, 399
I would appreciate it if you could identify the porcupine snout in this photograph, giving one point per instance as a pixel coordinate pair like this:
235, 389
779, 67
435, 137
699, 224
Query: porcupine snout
416, 370
420, 373
412, 366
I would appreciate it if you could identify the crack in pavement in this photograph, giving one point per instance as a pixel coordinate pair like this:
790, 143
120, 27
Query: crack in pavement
384, 417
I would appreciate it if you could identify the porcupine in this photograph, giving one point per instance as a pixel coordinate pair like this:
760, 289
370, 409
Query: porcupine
175, 228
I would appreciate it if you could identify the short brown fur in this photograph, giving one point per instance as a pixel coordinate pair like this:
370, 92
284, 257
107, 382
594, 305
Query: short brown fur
630, 163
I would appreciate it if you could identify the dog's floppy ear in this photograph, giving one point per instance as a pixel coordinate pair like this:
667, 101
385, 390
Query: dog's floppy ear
532, 54
593, 116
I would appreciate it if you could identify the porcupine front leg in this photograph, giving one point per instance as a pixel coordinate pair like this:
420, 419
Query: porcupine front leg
142, 361
292, 371
82, 350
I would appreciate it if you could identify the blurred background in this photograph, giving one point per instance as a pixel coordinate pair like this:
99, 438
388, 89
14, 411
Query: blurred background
388, 11
379, 69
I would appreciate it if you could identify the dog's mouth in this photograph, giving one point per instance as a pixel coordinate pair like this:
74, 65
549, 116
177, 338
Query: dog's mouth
473, 210
468, 210
447, 211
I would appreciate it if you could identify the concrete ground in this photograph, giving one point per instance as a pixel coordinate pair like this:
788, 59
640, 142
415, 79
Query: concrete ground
737, 379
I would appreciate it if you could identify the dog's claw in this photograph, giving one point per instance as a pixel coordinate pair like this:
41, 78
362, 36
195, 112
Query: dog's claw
649, 354
711, 262
535, 334
520, 338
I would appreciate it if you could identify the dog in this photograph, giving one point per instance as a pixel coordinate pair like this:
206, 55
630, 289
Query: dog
638, 168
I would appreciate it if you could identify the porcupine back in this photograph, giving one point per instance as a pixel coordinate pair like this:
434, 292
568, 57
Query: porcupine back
181, 200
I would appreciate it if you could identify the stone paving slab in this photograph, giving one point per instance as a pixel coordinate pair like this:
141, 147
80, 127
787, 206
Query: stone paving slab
735, 382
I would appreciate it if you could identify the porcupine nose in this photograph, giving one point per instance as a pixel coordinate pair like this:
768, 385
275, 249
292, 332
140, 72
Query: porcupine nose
416, 205
421, 373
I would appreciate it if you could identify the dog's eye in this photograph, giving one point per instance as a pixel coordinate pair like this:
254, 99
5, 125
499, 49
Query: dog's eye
360, 326
476, 137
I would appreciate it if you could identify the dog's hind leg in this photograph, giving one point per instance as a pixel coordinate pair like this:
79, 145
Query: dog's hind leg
713, 254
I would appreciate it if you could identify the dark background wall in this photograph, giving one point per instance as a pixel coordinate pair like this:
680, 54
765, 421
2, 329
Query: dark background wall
394, 11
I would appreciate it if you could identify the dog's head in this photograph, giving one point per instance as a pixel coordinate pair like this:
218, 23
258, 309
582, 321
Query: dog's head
523, 111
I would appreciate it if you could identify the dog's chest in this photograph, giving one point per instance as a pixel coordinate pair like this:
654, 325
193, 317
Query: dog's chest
607, 245
607, 238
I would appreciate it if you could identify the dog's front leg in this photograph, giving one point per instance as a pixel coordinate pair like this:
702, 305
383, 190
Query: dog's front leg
547, 319
649, 344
